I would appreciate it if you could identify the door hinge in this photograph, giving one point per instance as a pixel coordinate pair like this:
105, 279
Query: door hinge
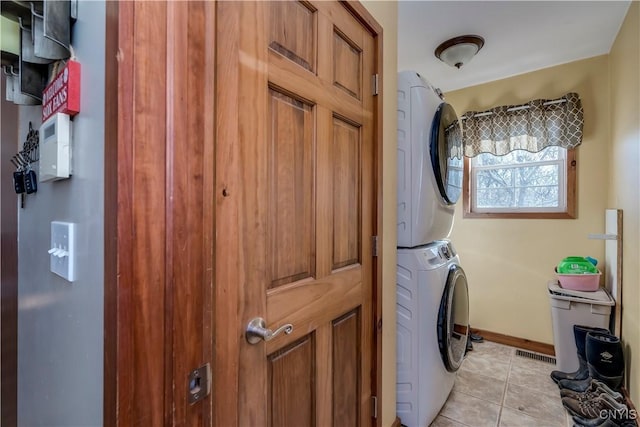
374, 406
199, 384
374, 84
374, 245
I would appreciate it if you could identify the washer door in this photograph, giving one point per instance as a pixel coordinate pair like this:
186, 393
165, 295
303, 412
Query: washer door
453, 319
446, 153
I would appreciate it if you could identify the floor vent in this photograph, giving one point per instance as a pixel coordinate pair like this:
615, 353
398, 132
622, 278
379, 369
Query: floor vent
536, 356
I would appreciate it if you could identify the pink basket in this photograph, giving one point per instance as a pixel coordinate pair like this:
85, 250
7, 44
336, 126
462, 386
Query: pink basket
580, 282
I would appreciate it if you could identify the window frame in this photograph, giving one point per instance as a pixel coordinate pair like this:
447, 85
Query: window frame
568, 213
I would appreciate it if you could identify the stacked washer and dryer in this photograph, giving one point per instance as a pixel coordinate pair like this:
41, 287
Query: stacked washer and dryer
432, 298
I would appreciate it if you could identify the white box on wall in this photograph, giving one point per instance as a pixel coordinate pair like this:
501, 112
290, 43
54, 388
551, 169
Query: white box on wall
55, 148
62, 252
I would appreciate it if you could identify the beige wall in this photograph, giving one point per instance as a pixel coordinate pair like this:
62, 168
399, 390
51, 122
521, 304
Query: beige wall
386, 13
509, 261
624, 183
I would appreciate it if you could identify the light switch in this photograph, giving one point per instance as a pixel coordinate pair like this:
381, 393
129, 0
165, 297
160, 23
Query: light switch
62, 252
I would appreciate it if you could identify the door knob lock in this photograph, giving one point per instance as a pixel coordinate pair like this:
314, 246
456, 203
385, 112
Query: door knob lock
257, 331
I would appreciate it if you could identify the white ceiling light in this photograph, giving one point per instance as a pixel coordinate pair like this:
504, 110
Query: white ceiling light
459, 50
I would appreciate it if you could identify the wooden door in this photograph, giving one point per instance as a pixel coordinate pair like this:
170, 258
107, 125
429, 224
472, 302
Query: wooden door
295, 214
159, 225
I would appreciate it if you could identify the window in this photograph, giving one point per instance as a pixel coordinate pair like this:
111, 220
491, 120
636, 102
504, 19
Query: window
521, 184
521, 159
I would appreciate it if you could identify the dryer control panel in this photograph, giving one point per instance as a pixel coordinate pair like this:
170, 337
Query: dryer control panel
447, 251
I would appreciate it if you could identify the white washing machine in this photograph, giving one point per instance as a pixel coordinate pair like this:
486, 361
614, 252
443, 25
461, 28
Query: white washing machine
429, 162
432, 329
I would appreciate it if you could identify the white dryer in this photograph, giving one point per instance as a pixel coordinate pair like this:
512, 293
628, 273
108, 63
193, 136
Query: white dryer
432, 329
429, 162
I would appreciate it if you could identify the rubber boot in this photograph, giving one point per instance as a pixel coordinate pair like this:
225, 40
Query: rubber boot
605, 362
580, 334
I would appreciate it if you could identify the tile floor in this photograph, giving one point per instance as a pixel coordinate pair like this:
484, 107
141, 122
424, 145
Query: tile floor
495, 387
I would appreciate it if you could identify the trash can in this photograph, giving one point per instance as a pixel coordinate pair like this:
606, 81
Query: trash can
568, 308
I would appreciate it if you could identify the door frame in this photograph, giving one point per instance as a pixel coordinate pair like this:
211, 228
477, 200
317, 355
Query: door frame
119, 282
9, 265
364, 16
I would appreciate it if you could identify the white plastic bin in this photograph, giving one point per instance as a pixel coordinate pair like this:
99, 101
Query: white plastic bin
570, 308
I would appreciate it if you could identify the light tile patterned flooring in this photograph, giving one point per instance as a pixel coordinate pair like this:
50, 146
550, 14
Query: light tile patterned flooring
495, 387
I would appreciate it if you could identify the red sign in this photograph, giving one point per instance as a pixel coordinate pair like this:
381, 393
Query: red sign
62, 95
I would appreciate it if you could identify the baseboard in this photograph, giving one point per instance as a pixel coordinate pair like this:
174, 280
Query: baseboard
523, 343
396, 422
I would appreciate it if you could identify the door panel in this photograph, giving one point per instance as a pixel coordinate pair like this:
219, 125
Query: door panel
445, 148
346, 67
346, 193
346, 368
292, 32
292, 384
295, 209
292, 199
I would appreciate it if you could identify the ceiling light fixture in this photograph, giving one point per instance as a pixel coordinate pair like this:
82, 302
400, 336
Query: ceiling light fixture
459, 50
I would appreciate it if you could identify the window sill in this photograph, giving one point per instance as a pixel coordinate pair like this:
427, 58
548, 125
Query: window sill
521, 215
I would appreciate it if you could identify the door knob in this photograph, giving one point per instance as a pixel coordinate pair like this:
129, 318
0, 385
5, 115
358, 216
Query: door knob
257, 331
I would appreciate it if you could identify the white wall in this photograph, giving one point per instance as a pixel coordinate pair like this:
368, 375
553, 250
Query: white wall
60, 324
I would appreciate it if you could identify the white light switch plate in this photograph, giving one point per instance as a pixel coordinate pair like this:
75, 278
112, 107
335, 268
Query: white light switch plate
62, 252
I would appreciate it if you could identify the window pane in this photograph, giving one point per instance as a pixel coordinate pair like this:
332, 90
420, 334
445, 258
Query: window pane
536, 175
494, 178
549, 153
486, 159
454, 183
454, 192
455, 162
455, 178
519, 156
495, 197
519, 181
537, 197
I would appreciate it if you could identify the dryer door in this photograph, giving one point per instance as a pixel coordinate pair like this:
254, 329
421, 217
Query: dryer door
453, 319
446, 153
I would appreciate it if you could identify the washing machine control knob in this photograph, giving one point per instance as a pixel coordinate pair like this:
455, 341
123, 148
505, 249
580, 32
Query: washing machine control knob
444, 250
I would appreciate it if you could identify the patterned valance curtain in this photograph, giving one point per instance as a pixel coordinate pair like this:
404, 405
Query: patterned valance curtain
532, 126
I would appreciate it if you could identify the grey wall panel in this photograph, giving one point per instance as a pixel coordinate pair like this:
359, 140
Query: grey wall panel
60, 324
